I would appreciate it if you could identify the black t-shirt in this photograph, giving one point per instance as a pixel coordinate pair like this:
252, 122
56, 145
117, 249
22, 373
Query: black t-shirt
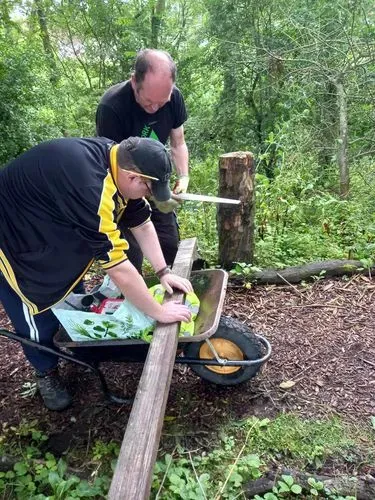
119, 116
59, 210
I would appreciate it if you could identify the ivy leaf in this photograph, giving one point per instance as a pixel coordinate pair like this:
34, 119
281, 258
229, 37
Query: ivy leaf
287, 479
20, 468
99, 328
112, 334
282, 487
54, 479
270, 496
236, 479
253, 461
296, 488
175, 479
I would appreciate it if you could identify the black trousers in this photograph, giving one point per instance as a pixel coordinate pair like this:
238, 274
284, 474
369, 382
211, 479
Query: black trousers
167, 230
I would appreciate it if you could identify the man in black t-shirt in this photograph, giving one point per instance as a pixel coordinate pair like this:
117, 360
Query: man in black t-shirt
150, 105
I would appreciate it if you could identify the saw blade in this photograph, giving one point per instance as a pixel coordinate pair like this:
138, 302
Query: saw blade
203, 197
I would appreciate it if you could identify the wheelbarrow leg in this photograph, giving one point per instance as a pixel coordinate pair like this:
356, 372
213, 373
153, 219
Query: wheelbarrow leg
109, 396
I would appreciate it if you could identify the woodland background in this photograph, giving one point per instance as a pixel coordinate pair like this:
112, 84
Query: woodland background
291, 81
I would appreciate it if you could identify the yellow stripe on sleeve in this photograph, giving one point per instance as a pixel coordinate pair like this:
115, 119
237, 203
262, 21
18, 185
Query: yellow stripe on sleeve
108, 225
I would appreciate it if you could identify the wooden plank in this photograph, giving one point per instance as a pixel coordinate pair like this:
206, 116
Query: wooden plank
133, 473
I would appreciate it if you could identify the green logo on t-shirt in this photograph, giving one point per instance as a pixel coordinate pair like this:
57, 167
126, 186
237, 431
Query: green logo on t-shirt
147, 131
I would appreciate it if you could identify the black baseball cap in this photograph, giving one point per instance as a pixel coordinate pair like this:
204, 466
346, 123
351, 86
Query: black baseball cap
151, 159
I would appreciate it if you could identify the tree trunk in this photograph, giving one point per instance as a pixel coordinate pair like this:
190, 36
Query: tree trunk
157, 14
5, 20
342, 157
42, 20
236, 222
227, 112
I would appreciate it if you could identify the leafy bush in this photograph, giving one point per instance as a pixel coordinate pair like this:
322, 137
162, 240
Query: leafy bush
40, 476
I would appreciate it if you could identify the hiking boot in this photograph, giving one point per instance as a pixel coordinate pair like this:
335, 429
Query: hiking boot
54, 394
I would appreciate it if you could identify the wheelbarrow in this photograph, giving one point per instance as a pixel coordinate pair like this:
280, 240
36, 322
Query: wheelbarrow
222, 350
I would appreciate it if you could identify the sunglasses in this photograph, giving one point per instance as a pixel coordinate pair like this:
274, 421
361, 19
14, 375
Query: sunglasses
144, 175
146, 178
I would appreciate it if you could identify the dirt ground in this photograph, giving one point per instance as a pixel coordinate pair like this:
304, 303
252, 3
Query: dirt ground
322, 337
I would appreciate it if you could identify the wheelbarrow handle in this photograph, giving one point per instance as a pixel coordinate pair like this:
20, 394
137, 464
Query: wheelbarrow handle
268, 347
57, 352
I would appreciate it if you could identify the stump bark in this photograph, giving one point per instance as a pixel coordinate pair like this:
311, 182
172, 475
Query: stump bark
236, 222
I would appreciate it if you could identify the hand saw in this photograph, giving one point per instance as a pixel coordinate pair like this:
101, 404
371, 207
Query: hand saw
203, 197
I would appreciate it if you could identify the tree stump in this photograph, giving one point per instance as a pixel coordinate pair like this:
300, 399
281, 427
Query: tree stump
236, 222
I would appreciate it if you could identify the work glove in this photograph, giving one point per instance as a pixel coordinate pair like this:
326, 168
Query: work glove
181, 185
167, 206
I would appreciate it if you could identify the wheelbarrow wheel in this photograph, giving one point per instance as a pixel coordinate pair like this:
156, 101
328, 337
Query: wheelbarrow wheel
232, 341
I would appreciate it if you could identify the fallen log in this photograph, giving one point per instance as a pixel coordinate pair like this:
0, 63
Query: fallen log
360, 487
296, 274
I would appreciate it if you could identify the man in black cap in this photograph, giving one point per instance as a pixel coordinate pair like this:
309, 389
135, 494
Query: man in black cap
59, 207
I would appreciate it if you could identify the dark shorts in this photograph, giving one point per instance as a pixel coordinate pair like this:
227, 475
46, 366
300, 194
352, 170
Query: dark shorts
40, 328
167, 230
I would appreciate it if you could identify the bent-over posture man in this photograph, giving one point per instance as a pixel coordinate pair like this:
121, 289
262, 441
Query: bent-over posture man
150, 105
59, 207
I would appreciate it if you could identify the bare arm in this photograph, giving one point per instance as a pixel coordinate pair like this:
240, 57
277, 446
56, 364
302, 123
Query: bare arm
179, 151
148, 241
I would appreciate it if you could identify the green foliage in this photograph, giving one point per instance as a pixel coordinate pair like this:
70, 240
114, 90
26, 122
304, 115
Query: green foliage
23, 92
40, 476
258, 77
299, 440
43, 478
244, 271
287, 484
287, 488
206, 476
199, 219
298, 220
240, 454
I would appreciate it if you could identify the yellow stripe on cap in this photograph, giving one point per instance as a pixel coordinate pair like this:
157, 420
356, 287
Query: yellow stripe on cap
113, 161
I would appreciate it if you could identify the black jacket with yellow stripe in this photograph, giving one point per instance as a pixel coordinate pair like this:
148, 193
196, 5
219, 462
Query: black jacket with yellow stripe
59, 209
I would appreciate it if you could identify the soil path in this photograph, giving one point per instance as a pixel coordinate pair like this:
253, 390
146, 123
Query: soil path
323, 340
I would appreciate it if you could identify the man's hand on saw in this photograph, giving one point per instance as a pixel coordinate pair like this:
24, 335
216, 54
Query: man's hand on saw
181, 185
167, 206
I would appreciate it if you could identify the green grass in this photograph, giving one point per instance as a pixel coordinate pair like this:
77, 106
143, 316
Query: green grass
243, 451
